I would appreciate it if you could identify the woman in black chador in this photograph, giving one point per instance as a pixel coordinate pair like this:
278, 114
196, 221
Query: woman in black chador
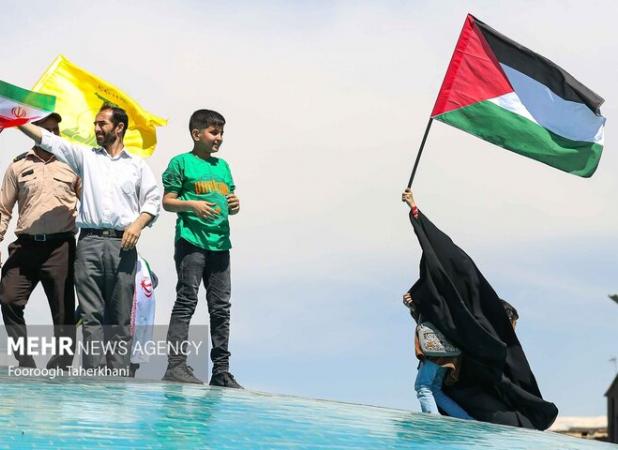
495, 381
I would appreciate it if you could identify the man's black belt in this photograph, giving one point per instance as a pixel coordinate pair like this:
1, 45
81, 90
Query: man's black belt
46, 237
103, 232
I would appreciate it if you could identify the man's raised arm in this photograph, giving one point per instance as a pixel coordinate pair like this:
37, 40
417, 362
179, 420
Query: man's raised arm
72, 155
34, 132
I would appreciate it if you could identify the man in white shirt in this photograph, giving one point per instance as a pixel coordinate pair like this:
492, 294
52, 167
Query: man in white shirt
119, 198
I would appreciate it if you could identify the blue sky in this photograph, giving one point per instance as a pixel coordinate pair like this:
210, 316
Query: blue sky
326, 105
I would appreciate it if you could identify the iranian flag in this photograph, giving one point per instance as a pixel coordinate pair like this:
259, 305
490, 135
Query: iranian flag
35, 105
506, 94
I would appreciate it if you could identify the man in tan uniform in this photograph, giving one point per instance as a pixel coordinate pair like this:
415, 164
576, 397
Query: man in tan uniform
46, 191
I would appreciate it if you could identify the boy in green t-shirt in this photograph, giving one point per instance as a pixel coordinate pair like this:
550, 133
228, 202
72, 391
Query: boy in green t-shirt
199, 188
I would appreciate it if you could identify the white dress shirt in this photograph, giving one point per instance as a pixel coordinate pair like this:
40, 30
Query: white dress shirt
115, 191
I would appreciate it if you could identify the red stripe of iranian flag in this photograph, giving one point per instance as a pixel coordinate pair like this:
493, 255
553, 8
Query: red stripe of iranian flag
35, 105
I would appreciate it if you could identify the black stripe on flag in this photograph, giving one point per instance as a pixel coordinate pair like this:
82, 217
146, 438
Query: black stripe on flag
520, 58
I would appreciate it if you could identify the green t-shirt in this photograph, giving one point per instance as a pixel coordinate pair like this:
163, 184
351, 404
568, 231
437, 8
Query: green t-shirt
194, 178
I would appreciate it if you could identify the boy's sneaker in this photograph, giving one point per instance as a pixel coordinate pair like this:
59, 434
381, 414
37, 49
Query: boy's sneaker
182, 374
225, 379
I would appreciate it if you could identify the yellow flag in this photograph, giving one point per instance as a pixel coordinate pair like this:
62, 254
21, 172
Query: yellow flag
80, 95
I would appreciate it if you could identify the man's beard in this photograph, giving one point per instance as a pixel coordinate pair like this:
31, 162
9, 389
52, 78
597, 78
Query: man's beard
106, 140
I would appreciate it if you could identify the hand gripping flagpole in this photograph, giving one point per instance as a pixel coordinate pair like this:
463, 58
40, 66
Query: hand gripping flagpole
420, 151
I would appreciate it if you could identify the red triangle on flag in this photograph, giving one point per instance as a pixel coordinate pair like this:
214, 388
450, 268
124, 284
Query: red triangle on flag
6, 122
473, 74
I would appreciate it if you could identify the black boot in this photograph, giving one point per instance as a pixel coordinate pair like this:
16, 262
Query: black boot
181, 373
224, 379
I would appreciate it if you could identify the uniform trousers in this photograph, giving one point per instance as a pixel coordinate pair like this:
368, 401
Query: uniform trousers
49, 262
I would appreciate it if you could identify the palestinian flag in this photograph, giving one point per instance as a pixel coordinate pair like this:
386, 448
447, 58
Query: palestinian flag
506, 94
36, 105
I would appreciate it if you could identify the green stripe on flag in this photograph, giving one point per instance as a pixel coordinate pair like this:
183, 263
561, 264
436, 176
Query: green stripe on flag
34, 99
521, 135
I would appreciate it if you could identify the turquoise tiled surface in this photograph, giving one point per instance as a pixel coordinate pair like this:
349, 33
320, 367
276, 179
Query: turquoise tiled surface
76, 413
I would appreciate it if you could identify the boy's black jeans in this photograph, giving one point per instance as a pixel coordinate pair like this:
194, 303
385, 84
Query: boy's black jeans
194, 265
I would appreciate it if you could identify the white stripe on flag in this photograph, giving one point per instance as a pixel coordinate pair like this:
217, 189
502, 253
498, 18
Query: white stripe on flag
7, 106
537, 102
511, 102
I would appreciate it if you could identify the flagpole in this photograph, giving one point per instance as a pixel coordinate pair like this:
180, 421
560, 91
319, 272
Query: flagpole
420, 151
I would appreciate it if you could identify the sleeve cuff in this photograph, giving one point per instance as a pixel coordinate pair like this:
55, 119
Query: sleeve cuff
153, 210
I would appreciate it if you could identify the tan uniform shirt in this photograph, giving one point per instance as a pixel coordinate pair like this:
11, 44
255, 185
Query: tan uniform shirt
46, 194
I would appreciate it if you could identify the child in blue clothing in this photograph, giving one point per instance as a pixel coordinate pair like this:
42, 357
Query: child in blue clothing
432, 372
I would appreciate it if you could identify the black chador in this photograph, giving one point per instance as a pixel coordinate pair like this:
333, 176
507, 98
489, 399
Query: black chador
496, 383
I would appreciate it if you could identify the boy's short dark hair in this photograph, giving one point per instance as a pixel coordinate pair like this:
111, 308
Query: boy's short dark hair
204, 118
119, 115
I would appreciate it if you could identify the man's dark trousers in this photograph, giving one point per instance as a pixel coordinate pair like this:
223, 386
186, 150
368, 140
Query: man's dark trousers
105, 284
195, 265
47, 261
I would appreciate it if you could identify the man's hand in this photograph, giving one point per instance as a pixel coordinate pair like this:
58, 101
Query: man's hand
132, 232
204, 209
407, 300
233, 203
131, 236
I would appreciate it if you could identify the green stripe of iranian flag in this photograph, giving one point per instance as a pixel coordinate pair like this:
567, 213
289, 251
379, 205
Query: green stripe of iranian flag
36, 105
